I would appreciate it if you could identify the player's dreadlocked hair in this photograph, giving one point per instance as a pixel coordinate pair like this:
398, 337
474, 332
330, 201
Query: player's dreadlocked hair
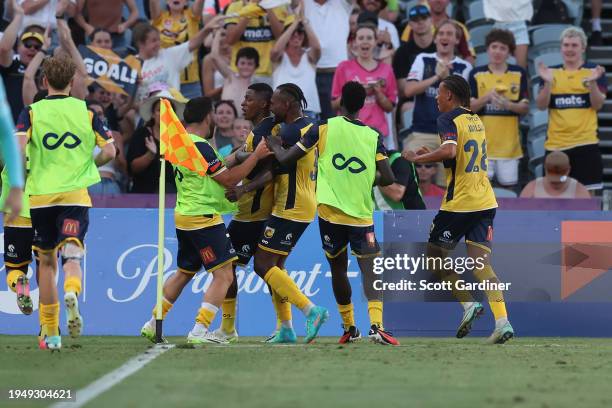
458, 87
294, 92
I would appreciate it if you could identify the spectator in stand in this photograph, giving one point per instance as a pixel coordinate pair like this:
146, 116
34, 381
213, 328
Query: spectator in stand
387, 33
330, 22
176, 25
427, 173
113, 171
101, 38
556, 182
383, 51
107, 14
500, 96
421, 40
224, 116
164, 65
143, 155
376, 77
240, 129
211, 75
404, 193
423, 80
350, 43
439, 16
294, 57
573, 93
235, 84
38, 12
512, 16
13, 65
256, 31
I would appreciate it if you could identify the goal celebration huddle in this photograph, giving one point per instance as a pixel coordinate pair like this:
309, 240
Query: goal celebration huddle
290, 169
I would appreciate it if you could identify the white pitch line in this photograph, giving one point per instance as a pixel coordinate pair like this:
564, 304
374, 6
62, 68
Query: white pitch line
103, 384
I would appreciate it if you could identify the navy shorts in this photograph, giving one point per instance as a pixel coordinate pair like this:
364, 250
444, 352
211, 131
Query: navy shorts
448, 228
244, 236
54, 226
280, 235
209, 247
336, 237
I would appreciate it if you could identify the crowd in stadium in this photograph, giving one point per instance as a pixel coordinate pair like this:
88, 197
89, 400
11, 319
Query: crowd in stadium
399, 51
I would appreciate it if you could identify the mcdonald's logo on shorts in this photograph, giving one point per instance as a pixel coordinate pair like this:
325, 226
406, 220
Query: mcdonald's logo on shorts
208, 255
71, 227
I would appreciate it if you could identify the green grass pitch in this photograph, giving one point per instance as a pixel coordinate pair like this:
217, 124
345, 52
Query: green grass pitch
423, 372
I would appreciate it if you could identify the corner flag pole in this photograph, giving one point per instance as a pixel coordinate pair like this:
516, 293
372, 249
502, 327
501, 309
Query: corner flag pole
160, 250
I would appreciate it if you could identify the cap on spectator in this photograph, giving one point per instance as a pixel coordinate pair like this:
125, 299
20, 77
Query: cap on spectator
174, 96
367, 17
420, 10
32, 34
557, 167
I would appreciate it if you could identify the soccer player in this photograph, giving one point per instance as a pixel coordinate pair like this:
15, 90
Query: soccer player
293, 209
352, 158
17, 226
61, 134
202, 237
254, 207
468, 207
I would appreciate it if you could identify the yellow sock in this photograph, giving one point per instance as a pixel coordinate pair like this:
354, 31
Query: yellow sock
282, 307
375, 311
495, 297
286, 287
166, 306
206, 314
228, 323
49, 316
348, 315
11, 279
72, 284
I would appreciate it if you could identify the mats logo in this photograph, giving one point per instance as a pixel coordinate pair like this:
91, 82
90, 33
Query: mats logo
71, 227
340, 162
53, 141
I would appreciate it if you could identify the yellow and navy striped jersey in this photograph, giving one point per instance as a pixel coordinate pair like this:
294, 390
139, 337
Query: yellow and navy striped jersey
572, 120
294, 184
317, 137
468, 187
79, 197
503, 138
257, 205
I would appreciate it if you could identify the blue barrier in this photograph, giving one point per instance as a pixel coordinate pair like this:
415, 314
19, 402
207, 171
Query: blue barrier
120, 276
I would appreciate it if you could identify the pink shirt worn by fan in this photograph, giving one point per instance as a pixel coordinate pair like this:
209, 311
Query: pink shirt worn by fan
371, 114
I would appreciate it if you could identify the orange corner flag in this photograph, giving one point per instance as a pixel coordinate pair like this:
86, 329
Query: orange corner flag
175, 144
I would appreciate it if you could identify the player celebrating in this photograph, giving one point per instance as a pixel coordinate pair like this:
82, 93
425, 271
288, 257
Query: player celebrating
201, 233
469, 205
350, 153
293, 209
254, 207
17, 225
61, 134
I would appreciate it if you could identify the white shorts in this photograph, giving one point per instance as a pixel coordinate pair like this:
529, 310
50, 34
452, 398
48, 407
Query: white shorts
505, 170
518, 28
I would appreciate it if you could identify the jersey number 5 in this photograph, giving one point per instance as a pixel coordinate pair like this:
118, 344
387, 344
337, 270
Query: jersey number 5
472, 145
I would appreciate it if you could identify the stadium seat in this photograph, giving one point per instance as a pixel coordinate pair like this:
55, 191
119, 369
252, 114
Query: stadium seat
546, 40
535, 149
549, 59
483, 59
407, 119
538, 122
478, 35
575, 9
503, 193
476, 16
538, 171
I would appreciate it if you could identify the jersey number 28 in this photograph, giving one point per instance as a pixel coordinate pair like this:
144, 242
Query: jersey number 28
472, 146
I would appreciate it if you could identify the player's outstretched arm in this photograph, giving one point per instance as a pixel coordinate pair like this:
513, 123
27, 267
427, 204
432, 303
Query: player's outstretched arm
446, 151
284, 156
384, 174
232, 176
107, 153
